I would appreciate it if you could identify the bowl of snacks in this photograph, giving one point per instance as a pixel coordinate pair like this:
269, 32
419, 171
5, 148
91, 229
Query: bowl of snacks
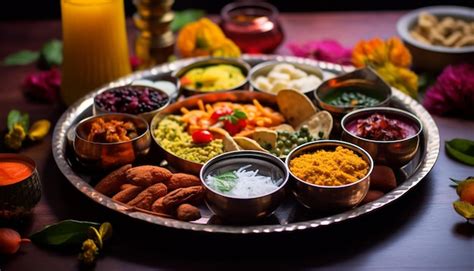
329, 175
111, 140
358, 89
212, 75
244, 186
141, 100
273, 76
192, 131
390, 135
438, 36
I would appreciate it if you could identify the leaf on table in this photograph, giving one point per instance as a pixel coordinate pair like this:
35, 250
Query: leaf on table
23, 57
465, 209
64, 233
52, 53
461, 150
181, 18
16, 117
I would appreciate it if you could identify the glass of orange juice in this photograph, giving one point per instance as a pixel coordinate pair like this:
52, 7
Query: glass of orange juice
95, 45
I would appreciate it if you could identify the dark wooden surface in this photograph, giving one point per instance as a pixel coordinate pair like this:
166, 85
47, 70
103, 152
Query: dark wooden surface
419, 231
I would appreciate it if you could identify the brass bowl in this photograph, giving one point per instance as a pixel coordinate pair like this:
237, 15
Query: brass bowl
240, 96
242, 65
366, 79
97, 110
395, 153
329, 198
237, 209
109, 155
264, 68
19, 198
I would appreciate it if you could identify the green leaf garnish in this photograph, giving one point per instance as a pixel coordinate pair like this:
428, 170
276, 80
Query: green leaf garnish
461, 150
64, 233
239, 114
225, 182
181, 18
23, 57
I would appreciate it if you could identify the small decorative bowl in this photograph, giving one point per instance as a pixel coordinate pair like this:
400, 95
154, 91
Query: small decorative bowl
147, 115
243, 210
394, 153
242, 65
329, 198
365, 80
109, 155
432, 57
264, 68
19, 196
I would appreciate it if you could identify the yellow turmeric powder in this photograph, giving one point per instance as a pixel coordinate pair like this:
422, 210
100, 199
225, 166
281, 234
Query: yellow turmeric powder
329, 168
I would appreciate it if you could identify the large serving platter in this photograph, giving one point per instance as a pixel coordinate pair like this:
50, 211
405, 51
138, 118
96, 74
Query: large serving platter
290, 216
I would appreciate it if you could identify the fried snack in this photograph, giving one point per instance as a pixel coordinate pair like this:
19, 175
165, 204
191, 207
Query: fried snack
148, 175
182, 180
295, 106
187, 212
127, 194
125, 186
383, 178
145, 199
111, 183
158, 207
193, 194
372, 195
446, 31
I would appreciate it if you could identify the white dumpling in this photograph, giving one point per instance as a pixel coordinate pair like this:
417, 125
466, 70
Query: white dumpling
297, 74
278, 76
284, 68
279, 85
263, 83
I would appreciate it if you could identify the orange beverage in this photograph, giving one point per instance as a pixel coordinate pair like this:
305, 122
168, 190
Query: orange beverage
95, 45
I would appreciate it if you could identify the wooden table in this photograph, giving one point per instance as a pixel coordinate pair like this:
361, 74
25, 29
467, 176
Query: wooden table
419, 231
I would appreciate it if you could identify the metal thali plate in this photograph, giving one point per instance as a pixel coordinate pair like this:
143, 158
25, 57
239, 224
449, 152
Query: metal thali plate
290, 216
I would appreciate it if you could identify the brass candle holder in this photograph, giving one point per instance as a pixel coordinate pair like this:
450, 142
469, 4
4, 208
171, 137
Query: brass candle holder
155, 41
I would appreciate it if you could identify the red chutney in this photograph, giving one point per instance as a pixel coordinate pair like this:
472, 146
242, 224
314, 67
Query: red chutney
13, 171
379, 127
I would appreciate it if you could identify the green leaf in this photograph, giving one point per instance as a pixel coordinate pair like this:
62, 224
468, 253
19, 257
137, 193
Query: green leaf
230, 175
181, 18
465, 209
105, 231
16, 117
64, 233
23, 57
225, 181
240, 114
52, 53
461, 150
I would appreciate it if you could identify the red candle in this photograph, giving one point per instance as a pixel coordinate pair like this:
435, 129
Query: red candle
13, 171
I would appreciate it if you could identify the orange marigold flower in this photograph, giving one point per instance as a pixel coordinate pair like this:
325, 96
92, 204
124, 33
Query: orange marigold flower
205, 38
398, 54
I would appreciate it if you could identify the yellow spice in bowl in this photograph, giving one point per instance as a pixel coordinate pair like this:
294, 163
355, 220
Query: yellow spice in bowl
329, 168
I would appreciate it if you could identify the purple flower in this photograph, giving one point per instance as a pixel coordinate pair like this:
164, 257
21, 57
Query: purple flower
325, 50
453, 92
43, 86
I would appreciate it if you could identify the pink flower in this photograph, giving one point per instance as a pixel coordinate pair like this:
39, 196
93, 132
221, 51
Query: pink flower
44, 85
453, 92
325, 50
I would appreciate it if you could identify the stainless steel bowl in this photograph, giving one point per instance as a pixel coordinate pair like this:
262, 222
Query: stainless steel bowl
242, 65
243, 210
432, 57
365, 80
329, 198
97, 110
395, 153
191, 103
264, 68
108, 155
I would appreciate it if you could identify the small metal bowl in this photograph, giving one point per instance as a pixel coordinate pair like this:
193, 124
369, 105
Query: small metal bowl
264, 68
395, 153
97, 110
242, 65
19, 198
108, 155
365, 79
329, 198
243, 210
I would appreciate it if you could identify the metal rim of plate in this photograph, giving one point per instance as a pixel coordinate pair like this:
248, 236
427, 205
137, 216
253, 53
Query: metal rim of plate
59, 144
